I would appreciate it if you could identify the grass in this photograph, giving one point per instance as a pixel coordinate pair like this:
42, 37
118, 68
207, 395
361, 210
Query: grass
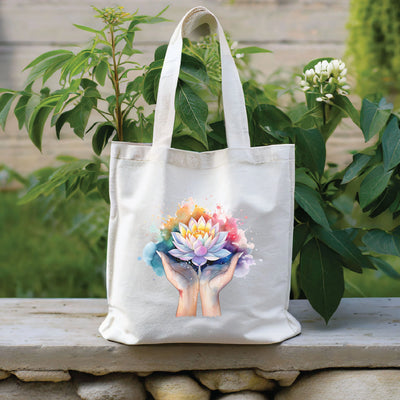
38, 259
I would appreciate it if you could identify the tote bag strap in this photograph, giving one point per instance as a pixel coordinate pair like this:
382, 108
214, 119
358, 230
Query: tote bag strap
236, 126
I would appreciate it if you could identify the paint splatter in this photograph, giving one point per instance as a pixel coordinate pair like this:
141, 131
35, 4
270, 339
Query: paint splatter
200, 238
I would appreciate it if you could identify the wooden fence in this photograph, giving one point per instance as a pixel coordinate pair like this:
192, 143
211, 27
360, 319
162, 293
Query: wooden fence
295, 30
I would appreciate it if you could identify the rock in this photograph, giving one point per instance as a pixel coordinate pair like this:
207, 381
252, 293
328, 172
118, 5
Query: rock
12, 389
143, 374
110, 387
175, 387
227, 381
284, 378
42, 376
247, 395
346, 385
4, 375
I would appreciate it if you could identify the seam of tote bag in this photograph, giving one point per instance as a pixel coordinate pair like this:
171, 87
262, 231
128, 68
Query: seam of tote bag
256, 157
216, 165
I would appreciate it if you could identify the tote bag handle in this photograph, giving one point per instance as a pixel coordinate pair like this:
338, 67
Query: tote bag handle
237, 132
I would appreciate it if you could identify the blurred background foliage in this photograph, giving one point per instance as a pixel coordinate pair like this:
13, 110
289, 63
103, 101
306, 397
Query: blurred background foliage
45, 256
373, 47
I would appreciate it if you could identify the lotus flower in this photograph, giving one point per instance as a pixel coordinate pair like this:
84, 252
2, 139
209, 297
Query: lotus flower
199, 242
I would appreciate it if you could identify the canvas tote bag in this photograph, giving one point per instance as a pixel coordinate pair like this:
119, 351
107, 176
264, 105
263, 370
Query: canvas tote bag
200, 244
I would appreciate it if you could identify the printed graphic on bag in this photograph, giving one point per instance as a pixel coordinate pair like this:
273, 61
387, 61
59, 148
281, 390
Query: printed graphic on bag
199, 252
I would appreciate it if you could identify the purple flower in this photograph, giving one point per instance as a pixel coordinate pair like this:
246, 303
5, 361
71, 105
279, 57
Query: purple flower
199, 242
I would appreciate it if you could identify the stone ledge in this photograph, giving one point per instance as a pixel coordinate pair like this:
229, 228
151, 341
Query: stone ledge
61, 334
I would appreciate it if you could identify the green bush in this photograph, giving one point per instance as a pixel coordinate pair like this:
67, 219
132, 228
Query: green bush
38, 258
373, 45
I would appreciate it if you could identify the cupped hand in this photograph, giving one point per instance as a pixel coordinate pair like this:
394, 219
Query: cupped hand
212, 280
180, 274
185, 279
218, 276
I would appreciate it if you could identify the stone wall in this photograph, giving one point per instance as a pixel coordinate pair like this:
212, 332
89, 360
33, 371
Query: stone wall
51, 349
296, 31
245, 384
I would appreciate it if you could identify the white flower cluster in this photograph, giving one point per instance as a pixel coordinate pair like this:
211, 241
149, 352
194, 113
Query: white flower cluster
326, 78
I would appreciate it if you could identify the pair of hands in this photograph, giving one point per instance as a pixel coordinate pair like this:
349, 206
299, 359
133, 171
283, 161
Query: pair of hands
208, 281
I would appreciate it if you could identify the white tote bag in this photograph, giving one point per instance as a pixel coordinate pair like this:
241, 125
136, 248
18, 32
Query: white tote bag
200, 244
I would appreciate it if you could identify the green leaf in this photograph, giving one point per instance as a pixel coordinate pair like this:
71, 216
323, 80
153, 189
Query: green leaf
138, 131
151, 79
187, 142
102, 187
300, 234
102, 136
395, 206
391, 144
135, 85
36, 124
6, 100
353, 170
67, 96
335, 116
252, 50
193, 111
31, 106
314, 62
383, 202
46, 55
373, 118
160, 52
374, 183
66, 159
88, 29
20, 110
303, 177
57, 63
385, 267
100, 72
344, 104
77, 64
78, 117
321, 278
310, 149
126, 72
3, 90
304, 117
217, 136
86, 83
129, 37
128, 51
88, 182
255, 94
340, 242
57, 178
92, 92
310, 201
382, 242
192, 70
271, 119
72, 186
61, 120
49, 66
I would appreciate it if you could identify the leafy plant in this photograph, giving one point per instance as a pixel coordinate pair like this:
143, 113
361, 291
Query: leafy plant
373, 45
330, 233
